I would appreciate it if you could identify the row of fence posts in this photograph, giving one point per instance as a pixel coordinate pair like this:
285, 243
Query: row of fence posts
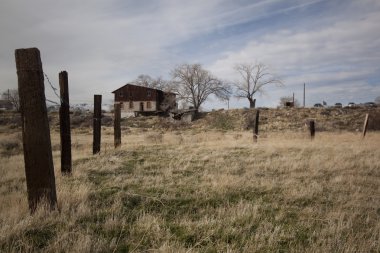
311, 127
97, 124
38, 159
39, 168
256, 127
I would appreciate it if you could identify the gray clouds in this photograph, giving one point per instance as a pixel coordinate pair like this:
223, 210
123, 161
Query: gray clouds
104, 44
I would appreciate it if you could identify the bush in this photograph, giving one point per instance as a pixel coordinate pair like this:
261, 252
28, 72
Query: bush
222, 121
107, 121
11, 147
154, 137
374, 120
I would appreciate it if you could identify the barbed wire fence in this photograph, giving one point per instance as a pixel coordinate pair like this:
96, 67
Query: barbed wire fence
78, 104
55, 92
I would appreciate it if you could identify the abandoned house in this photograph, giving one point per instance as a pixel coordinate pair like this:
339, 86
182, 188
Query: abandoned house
144, 100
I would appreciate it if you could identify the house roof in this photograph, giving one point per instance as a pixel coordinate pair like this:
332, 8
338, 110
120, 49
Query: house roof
135, 86
141, 87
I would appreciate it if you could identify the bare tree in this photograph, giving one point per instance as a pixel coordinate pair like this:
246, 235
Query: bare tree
195, 84
155, 83
13, 98
253, 78
144, 80
377, 100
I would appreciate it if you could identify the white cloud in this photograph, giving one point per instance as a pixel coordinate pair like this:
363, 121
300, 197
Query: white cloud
331, 55
338, 46
103, 44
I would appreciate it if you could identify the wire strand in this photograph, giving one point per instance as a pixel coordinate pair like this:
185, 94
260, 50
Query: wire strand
54, 90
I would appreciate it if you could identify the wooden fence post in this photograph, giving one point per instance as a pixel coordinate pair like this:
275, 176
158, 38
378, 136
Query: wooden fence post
365, 125
116, 125
64, 122
312, 129
97, 123
256, 128
39, 168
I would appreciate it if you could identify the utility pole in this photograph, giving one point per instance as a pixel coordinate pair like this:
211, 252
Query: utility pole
293, 99
9, 96
304, 94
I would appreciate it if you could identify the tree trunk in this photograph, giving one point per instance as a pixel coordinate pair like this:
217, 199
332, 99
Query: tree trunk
252, 102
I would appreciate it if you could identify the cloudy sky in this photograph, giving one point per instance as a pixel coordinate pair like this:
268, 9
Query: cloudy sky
331, 45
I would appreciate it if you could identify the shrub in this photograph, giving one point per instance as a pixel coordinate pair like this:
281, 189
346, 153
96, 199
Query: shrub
154, 137
222, 121
374, 120
11, 147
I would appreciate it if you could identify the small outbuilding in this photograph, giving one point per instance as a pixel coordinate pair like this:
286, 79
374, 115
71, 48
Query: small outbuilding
144, 100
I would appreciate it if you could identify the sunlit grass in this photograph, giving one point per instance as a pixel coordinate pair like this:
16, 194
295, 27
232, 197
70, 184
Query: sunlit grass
195, 191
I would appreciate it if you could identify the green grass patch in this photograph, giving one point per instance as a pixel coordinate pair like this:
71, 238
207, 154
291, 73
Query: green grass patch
40, 236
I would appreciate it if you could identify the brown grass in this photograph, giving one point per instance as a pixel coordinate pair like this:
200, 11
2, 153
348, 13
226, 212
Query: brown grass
196, 191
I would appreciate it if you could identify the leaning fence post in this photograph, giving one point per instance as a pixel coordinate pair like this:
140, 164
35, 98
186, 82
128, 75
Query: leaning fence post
64, 122
256, 128
312, 129
365, 126
116, 125
39, 168
97, 123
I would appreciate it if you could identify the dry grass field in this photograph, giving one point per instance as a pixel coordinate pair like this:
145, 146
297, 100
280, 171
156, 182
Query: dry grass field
200, 191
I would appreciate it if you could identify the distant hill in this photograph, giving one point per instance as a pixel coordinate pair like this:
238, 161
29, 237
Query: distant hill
326, 119
292, 119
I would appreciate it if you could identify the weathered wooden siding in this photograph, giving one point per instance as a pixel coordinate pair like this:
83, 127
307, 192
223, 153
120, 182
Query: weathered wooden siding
136, 93
137, 99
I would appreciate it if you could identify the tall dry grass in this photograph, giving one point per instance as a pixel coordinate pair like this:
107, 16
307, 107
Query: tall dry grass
195, 191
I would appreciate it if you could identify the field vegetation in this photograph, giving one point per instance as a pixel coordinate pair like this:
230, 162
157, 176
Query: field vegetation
199, 190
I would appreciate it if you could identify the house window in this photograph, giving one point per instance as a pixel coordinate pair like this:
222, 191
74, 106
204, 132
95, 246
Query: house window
149, 93
121, 94
130, 104
148, 105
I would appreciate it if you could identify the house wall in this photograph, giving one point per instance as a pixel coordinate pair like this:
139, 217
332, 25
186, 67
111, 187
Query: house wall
136, 106
159, 100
